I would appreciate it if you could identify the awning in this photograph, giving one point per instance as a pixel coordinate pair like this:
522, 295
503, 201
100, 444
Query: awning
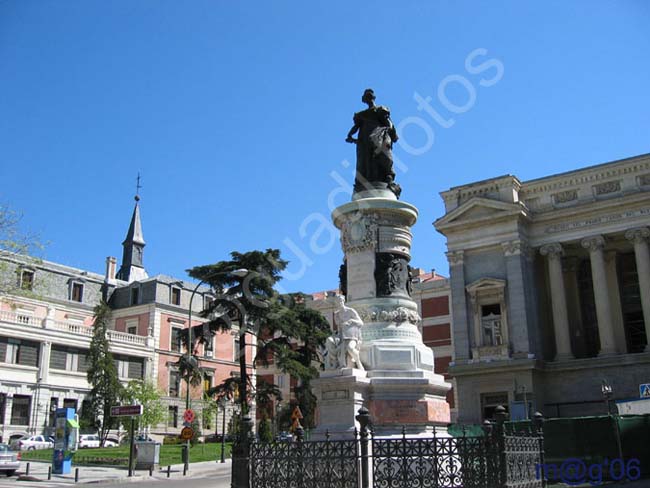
73, 423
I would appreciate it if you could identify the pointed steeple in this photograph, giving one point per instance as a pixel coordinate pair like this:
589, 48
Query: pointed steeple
132, 268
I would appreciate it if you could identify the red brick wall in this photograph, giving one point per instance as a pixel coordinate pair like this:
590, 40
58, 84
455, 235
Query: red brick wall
435, 307
436, 335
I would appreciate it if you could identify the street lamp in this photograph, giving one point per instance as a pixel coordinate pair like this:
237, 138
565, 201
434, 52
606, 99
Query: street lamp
222, 404
191, 360
608, 392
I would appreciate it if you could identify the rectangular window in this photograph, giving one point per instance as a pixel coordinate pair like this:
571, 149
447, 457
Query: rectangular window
3, 406
135, 296
20, 410
175, 340
122, 366
176, 296
235, 353
491, 325
76, 294
20, 352
133, 330
27, 280
70, 403
207, 382
54, 404
174, 383
207, 301
172, 417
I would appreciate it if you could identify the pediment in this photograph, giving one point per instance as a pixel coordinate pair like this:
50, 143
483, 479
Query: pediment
479, 209
485, 284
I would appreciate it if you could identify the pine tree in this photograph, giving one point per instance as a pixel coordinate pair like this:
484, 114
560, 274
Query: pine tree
106, 388
285, 328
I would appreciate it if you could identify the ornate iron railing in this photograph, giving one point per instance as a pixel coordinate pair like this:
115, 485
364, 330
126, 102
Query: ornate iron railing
309, 464
500, 458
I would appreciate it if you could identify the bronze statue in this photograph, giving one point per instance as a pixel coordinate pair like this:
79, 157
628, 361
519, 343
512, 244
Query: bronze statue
374, 146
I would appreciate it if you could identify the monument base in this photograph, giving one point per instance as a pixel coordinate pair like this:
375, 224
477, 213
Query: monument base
410, 400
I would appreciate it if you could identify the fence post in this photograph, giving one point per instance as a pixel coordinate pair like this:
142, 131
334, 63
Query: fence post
300, 437
364, 422
501, 416
538, 423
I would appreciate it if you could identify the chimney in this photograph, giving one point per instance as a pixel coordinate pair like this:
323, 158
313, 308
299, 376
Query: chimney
433, 272
111, 267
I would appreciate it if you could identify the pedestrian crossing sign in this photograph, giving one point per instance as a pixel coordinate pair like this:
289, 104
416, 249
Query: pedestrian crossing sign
644, 390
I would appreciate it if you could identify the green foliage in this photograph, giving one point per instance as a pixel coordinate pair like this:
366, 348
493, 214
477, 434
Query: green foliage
17, 246
286, 329
264, 430
145, 393
106, 389
196, 428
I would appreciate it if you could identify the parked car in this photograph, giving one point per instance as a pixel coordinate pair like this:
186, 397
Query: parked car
88, 440
218, 438
9, 460
31, 443
111, 443
284, 437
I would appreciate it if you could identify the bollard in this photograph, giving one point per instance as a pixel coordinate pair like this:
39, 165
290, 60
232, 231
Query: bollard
49, 473
169, 470
184, 469
150, 470
27, 469
76, 474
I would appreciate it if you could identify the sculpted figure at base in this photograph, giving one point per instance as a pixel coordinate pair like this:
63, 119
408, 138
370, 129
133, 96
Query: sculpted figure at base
349, 324
374, 146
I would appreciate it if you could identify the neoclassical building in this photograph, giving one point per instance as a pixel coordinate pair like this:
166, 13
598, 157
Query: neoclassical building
46, 317
550, 286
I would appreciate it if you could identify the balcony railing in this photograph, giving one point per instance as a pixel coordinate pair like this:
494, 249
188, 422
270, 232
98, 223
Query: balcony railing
20, 318
69, 327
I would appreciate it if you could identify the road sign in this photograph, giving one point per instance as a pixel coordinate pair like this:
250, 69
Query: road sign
188, 416
644, 390
126, 410
187, 433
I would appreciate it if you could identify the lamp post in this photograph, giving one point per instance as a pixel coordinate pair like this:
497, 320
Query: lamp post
608, 392
191, 360
222, 404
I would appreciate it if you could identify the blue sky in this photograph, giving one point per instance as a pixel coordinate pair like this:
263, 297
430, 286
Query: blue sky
235, 114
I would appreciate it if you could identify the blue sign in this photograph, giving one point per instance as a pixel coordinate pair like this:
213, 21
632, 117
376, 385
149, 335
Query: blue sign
644, 390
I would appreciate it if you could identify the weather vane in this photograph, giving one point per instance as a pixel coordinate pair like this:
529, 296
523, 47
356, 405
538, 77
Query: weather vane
137, 188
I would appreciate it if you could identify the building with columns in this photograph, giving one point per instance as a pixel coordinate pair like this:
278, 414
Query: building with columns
550, 286
46, 317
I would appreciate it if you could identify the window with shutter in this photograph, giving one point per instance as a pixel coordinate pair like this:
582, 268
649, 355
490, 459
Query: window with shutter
135, 368
28, 354
58, 357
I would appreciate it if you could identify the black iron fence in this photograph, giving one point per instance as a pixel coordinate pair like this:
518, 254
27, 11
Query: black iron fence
500, 458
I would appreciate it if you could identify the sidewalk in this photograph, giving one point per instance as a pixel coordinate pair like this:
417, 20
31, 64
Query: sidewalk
101, 474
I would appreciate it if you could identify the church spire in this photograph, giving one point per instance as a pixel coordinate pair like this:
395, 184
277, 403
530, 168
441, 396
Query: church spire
132, 268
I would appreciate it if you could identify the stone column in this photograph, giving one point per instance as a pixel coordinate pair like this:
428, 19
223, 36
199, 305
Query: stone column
9, 402
44, 367
595, 245
520, 317
642, 254
553, 252
459, 305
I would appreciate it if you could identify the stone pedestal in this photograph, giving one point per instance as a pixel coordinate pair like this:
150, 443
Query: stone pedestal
399, 386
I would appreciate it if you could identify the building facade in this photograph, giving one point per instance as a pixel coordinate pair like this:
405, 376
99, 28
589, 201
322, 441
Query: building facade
46, 317
550, 286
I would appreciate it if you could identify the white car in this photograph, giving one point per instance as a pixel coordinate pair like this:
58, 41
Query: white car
32, 443
86, 441
9, 460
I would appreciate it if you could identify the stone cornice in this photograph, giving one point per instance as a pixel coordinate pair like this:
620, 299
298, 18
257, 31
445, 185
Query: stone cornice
592, 174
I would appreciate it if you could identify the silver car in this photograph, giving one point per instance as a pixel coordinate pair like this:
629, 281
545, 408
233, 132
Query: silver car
9, 460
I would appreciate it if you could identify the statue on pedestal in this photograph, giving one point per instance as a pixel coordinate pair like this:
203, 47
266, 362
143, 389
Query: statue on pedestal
342, 349
374, 147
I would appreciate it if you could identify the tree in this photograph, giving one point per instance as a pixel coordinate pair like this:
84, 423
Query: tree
145, 393
15, 245
265, 432
106, 388
285, 329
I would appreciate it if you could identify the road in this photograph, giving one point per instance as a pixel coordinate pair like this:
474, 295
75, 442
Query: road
217, 481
